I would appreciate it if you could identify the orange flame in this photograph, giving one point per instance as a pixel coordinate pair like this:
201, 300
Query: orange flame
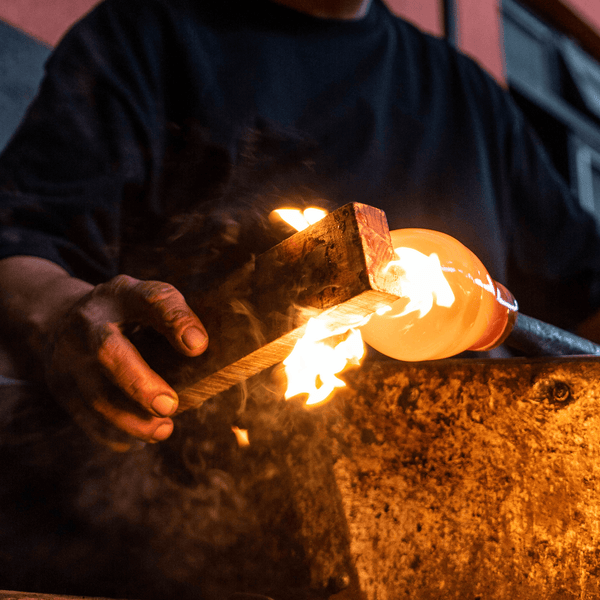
317, 358
300, 220
321, 354
241, 436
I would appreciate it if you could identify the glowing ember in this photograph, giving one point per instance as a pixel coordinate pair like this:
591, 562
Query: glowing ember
318, 357
241, 436
300, 220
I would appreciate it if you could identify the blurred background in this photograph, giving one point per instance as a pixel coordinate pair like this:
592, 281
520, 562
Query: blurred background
546, 52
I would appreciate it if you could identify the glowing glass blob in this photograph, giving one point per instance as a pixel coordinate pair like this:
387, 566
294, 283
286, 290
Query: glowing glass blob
449, 301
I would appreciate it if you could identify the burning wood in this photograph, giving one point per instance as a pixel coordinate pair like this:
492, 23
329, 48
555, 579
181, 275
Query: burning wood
336, 266
348, 267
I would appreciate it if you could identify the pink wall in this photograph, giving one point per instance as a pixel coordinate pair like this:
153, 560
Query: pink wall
480, 34
478, 21
426, 14
587, 10
478, 24
45, 20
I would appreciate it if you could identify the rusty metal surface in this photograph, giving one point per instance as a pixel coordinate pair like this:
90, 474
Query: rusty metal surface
473, 479
458, 479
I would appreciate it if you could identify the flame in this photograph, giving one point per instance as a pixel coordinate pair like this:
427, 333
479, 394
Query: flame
317, 358
321, 354
300, 220
241, 436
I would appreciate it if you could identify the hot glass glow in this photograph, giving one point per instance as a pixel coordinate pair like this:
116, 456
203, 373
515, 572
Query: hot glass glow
476, 319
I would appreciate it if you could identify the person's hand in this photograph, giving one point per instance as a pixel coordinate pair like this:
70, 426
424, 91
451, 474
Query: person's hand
97, 374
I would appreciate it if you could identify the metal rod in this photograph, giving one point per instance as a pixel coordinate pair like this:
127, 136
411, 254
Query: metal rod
537, 338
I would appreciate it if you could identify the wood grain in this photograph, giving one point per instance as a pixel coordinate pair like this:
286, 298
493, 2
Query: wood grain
335, 268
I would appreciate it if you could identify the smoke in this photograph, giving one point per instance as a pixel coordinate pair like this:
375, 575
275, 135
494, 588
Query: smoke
185, 518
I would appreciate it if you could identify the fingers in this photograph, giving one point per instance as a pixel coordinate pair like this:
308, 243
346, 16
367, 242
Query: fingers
164, 308
91, 392
114, 424
147, 429
98, 373
132, 375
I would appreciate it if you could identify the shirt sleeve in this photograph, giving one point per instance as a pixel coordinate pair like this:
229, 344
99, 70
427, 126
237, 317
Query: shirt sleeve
90, 138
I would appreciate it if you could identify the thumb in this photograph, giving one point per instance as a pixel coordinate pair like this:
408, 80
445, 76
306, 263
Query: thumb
163, 307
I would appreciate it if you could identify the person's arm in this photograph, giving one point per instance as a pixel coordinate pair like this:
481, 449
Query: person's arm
79, 154
73, 331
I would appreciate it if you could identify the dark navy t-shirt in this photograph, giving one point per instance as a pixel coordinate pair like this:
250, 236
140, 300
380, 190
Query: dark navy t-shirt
165, 132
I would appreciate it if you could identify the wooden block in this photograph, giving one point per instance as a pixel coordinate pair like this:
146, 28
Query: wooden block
336, 267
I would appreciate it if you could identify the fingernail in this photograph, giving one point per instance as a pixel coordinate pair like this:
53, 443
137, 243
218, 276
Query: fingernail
163, 432
193, 338
163, 405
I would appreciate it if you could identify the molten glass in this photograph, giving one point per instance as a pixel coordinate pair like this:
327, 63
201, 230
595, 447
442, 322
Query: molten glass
449, 303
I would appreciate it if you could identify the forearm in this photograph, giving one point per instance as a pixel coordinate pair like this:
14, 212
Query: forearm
34, 293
